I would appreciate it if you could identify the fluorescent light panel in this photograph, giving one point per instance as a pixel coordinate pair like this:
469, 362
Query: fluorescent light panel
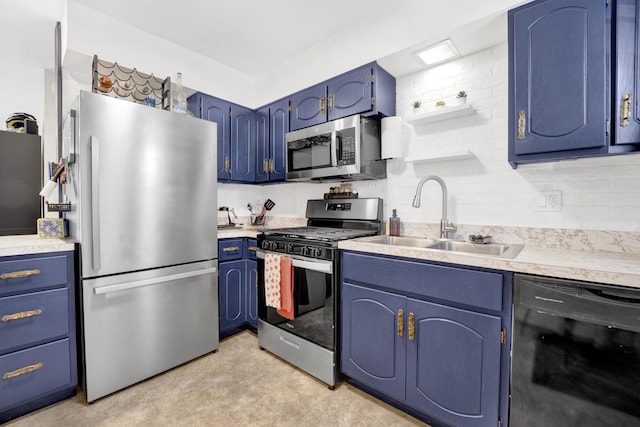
438, 53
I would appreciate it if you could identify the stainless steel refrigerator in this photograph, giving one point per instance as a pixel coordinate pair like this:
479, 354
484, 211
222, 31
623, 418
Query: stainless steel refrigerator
142, 187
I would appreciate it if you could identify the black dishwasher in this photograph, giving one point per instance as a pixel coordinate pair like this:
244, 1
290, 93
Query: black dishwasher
575, 354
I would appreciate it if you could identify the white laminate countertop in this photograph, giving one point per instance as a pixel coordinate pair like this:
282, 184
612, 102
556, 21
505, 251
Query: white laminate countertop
31, 244
593, 266
229, 233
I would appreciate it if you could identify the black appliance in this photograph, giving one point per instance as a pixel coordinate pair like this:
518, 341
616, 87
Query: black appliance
310, 340
20, 182
576, 354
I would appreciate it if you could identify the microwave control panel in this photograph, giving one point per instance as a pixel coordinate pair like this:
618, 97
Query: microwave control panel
346, 146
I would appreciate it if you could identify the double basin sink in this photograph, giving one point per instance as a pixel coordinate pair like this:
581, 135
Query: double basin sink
487, 249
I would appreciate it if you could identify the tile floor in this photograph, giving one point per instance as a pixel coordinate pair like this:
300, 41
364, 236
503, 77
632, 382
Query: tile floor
237, 386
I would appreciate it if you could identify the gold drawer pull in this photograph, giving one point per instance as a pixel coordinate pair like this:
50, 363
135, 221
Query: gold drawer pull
252, 248
270, 165
412, 326
522, 124
400, 322
22, 371
19, 274
231, 249
21, 315
625, 110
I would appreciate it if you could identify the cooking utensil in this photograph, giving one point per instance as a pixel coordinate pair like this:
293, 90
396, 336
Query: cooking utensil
269, 204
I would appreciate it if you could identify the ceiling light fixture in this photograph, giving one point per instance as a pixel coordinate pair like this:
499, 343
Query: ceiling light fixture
439, 52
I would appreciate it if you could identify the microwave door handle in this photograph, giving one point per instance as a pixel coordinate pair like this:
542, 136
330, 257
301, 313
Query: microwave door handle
334, 149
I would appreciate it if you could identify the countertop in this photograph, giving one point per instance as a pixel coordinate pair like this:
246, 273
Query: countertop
231, 232
31, 244
593, 266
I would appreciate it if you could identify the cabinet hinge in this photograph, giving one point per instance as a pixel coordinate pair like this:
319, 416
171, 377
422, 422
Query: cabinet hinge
608, 1
499, 421
373, 101
289, 108
373, 78
230, 113
200, 105
503, 336
608, 127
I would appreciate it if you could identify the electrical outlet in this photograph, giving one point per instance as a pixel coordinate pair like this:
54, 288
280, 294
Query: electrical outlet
548, 201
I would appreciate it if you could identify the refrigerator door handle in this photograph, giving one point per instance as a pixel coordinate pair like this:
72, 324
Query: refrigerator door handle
95, 202
146, 282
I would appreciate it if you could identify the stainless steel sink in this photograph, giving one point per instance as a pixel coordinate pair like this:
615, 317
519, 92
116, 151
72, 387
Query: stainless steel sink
492, 249
489, 249
413, 242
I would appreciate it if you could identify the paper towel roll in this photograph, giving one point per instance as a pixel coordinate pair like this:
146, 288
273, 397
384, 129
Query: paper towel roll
392, 143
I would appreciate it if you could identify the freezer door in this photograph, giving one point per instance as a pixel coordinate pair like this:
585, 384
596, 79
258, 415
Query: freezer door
138, 325
143, 186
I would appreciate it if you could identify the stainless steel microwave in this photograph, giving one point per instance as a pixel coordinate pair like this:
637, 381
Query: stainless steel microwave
347, 149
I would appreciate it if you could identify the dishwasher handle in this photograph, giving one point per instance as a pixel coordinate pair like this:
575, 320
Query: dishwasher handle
154, 281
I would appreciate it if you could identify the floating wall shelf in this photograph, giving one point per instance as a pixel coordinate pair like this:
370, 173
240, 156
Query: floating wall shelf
442, 113
456, 155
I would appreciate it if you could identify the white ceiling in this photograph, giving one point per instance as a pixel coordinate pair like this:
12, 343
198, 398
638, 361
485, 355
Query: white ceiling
255, 36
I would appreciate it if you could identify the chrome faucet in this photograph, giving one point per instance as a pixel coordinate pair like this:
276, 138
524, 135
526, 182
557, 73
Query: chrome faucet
445, 226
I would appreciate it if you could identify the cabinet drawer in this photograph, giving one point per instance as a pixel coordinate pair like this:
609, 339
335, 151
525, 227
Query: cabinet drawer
27, 374
230, 249
250, 247
32, 272
470, 287
29, 318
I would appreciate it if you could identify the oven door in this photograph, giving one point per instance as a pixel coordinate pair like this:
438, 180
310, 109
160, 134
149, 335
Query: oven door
314, 296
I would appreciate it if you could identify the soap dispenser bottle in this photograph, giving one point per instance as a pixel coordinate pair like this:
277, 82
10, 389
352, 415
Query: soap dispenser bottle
394, 224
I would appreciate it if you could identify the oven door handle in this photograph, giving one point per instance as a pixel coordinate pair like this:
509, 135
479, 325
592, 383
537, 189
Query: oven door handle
316, 265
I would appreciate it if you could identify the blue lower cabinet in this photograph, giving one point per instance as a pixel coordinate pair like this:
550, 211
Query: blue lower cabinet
232, 294
238, 292
38, 360
427, 342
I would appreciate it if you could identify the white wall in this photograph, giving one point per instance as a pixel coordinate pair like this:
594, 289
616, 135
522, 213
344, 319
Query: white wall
597, 193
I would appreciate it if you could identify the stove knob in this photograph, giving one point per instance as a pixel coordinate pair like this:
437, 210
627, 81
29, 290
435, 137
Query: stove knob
264, 244
307, 251
289, 248
317, 252
273, 246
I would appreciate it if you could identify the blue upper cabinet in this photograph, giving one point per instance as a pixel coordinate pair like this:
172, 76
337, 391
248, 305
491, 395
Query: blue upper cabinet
558, 91
272, 123
350, 93
217, 110
367, 90
236, 135
627, 68
309, 107
243, 160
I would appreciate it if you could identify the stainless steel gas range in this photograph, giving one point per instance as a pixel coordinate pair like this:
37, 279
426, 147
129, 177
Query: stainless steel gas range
310, 340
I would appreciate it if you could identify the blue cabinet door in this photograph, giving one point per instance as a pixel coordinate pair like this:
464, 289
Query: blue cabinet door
453, 363
243, 158
626, 108
308, 107
558, 78
217, 110
252, 293
373, 344
350, 93
232, 294
262, 145
279, 126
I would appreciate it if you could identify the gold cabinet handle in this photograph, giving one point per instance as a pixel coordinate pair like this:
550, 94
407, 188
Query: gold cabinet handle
322, 104
412, 326
522, 124
400, 322
22, 371
330, 102
19, 274
21, 315
231, 249
227, 166
252, 248
270, 165
625, 110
